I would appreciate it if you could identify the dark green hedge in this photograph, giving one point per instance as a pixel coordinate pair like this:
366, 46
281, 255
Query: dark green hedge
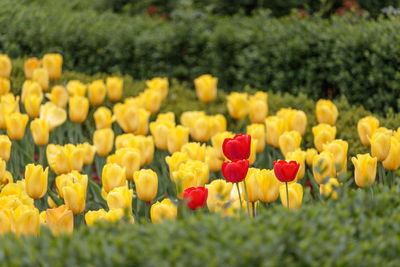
357, 230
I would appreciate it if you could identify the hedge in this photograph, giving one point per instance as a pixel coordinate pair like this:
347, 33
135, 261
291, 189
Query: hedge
317, 57
359, 229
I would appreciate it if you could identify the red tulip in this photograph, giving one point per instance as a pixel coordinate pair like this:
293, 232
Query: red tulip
196, 197
237, 147
235, 171
286, 171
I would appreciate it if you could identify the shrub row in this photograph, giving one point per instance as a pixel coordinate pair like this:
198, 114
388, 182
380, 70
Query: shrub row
356, 230
317, 57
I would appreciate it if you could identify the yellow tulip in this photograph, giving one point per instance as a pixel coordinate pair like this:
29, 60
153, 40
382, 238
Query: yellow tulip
2, 169
7, 178
103, 118
53, 64
130, 159
30, 88
219, 192
152, 100
380, 144
201, 129
323, 167
76, 88
75, 157
146, 146
8, 104
113, 176
238, 105
364, 169
41, 76
5, 66
114, 88
191, 173
217, 141
392, 161
88, 152
51, 203
159, 130
146, 184
94, 215
253, 149
30, 65
59, 96
253, 185
4, 86
258, 107
300, 157
257, 132
365, 128
159, 85
195, 151
60, 220
212, 159
275, 127
53, 114
188, 117
25, 220
164, 210
397, 134
176, 138
78, 108
71, 178
32, 105
269, 186
310, 154
296, 120
326, 112
218, 124
75, 197
143, 128
127, 117
64, 159
339, 150
323, 134
16, 124
5, 221
328, 188
103, 140
36, 180
168, 116
206, 87
97, 92
289, 141
5, 147
120, 198
295, 195
175, 160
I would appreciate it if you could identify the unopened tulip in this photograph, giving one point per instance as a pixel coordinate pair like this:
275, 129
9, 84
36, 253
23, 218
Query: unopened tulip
257, 132
54, 115
364, 169
164, 210
392, 161
328, 188
195, 197
269, 186
188, 117
97, 92
258, 107
4, 86
113, 176
217, 141
41, 76
5, 147
206, 88
176, 138
253, 185
25, 220
129, 158
326, 112
253, 149
310, 154
323, 167
195, 151
59, 96
218, 124
103, 140
53, 64
201, 129
286, 171
8, 104
30, 88
218, 195
143, 128
127, 117
146, 184
175, 160
5, 66
103, 118
63, 159
275, 127
60, 220
212, 159
114, 88
160, 85
159, 130
5, 221
88, 152
289, 141
16, 124
235, 171
295, 195
145, 146
237, 147
76, 88
30, 65
75, 157
191, 173
152, 100
323, 134
339, 150
75, 197
71, 178
94, 215
238, 105
78, 108
300, 157
36, 181
120, 198
32, 105
380, 144
295, 120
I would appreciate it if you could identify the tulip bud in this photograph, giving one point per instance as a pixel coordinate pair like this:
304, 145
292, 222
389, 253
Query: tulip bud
300, 157
328, 189
76, 88
54, 115
159, 130
5, 66
4, 86
113, 176
217, 124
380, 144
59, 96
160, 85
310, 154
129, 158
75, 197
103, 140
214, 163
97, 92
195, 151
269, 186
8, 104
253, 185
16, 124
40, 131
326, 112
30, 65
201, 129
274, 129
88, 153
323, 167
25, 220
218, 195
238, 105
120, 198
71, 178
146, 184
295, 120
339, 149
36, 180
206, 88
78, 108
114, 88
192, 173
175, 160
5, 147
217, 141
127, 117
235, 171
392, 161
289, 141
30, 88
32, 105
323, 134
176, 138
64, 159
295, 195
253, 148
5, 221
152, 100
53, 64
60, 220
75, 157
103, 118
364, 169
163, 210
258, 107
257, 132
41, 76
195, 197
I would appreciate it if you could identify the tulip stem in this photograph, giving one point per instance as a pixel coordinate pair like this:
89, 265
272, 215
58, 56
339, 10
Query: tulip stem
253, 207
382, 173
146, 210
240, 198
287, 194
247, 198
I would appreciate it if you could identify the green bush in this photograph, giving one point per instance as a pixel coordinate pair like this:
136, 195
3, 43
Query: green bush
356, 230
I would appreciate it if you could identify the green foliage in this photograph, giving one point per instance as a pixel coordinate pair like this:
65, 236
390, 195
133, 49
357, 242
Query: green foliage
356, 230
